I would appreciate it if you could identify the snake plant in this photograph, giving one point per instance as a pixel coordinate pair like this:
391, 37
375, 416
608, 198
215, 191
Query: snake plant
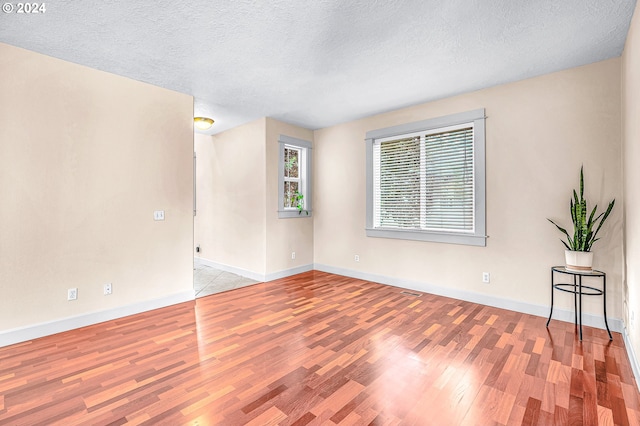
583, 227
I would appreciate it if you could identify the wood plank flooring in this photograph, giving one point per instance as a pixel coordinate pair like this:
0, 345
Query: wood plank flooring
320, 349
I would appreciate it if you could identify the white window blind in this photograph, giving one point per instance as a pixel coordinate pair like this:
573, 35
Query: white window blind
425, 181
397, 183
449, 181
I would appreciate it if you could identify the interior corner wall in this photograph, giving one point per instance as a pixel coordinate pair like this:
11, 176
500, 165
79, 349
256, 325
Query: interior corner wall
539, 132
285, 236
631, 158
230, 224
86, 157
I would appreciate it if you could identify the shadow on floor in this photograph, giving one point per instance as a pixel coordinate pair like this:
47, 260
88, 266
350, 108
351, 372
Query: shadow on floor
208, 280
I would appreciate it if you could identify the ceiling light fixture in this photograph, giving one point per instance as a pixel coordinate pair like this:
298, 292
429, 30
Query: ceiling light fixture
203, 123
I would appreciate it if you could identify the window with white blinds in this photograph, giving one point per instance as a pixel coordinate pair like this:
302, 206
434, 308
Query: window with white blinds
427, 183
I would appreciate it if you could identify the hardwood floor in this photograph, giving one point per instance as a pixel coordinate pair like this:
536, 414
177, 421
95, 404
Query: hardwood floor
320, 349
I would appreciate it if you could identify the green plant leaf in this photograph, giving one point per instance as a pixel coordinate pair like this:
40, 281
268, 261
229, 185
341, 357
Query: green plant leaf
593, 212
581, 182
564, 231
606, 215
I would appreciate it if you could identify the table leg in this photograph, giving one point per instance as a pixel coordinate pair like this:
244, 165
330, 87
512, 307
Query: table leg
604, 304
580, 304
551, 312
575, 301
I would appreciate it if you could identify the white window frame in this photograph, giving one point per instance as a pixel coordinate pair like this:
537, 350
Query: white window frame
304, 176
478, 237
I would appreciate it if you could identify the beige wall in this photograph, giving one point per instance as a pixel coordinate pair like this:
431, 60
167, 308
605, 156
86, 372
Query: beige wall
230, 221
285, 235
237, 222
631, 149
85, 159
538, 132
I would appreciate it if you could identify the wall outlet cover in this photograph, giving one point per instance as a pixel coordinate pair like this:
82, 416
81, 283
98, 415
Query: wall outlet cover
72, 294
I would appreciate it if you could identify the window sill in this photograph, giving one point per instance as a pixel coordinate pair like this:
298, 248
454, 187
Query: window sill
437, 237
291, 214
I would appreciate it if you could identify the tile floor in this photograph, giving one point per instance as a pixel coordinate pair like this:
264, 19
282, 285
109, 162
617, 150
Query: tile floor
208, 280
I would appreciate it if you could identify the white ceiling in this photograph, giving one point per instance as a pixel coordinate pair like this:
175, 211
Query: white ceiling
316, 63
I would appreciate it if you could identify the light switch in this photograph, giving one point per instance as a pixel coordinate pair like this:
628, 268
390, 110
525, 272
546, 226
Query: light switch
158, 215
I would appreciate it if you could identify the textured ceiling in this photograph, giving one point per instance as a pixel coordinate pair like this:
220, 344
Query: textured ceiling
316, 63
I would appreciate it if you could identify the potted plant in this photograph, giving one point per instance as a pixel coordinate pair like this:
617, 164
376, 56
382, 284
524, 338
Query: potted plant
578, 255
299, 199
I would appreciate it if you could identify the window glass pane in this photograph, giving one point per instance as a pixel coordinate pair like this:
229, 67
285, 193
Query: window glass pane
291, 162
449, 181
290, 189
399, 184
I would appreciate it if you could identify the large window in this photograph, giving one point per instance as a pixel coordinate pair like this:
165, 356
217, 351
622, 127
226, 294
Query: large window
294, 178
425, 180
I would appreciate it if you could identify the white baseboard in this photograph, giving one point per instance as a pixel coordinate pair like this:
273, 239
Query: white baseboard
288, 272
483, 299
633, 360
255, 275
22, 334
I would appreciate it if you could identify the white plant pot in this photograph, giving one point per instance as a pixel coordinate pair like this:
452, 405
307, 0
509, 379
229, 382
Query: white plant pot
579, 261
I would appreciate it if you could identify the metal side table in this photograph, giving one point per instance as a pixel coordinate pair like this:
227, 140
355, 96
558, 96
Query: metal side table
580, 290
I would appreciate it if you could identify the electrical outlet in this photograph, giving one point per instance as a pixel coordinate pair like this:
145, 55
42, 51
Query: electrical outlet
486, 277
356, 258
158, 215
293, 255
72, 294
107, 289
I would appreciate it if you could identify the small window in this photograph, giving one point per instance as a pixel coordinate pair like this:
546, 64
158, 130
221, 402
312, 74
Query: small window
294, 178
292, 158
425, 180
